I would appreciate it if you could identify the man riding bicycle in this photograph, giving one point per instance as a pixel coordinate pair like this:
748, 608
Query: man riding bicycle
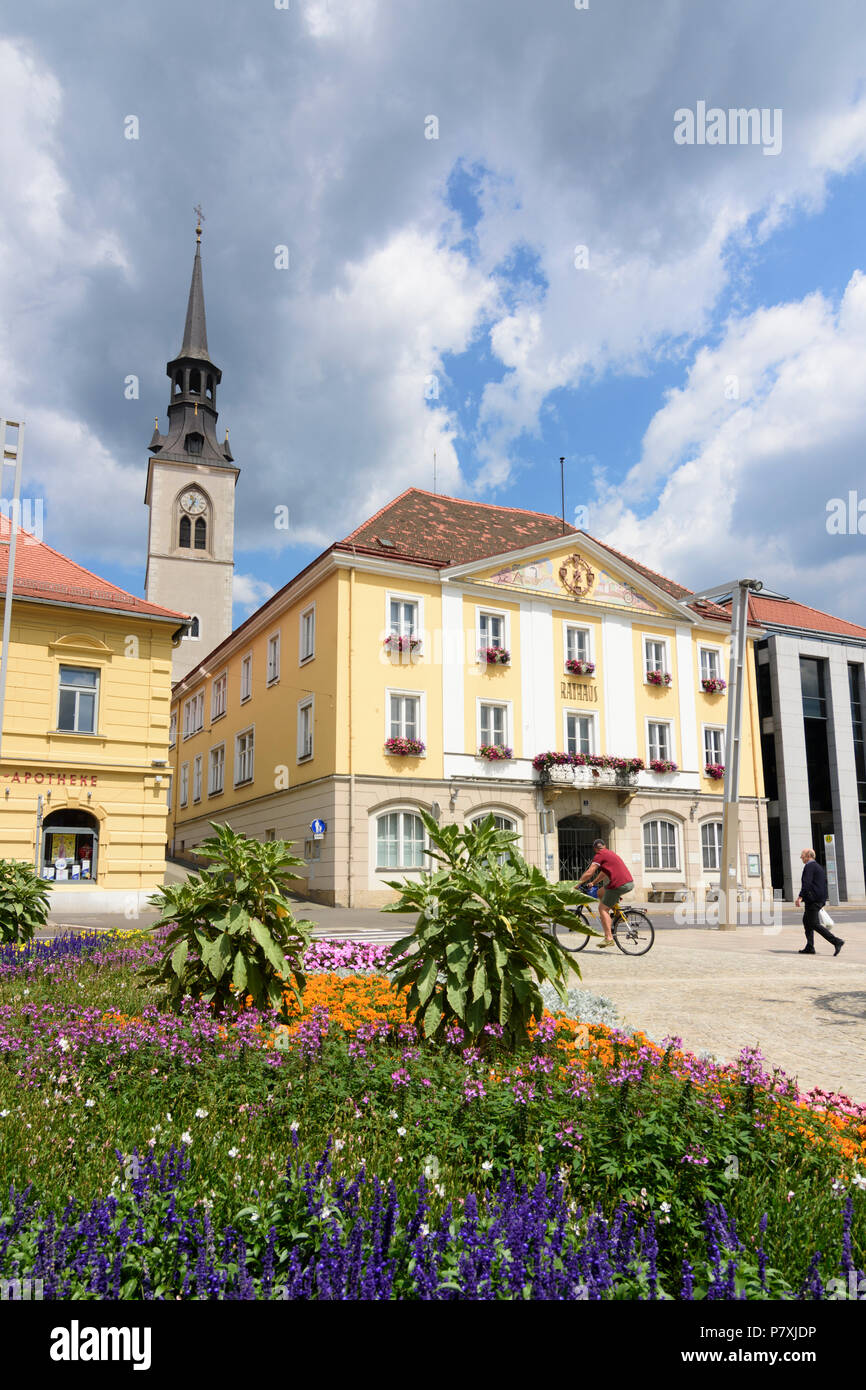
607, 865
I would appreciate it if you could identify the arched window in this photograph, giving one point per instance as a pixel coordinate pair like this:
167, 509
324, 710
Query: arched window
178, 383
194, 628
185, 532
399, 840
195, 383
502, 823
209, 387
200, 533
194, 443
711, 844
660, 845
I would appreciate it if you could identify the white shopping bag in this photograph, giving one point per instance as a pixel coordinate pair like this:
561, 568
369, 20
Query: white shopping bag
825, 919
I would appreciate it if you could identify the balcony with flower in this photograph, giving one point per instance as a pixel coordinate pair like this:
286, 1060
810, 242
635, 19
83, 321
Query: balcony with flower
587, 769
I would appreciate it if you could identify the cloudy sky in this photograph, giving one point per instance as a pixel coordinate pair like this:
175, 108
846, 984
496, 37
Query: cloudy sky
498, 251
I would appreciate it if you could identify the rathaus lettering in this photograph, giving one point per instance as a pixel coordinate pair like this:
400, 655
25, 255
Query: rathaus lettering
575, 690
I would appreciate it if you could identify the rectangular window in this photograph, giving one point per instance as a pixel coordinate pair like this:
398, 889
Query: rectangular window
576, 644
654, 655
172, 729
218, 696
76, 711
711, 844
494, 724
812, 682
184, 783
711, 666
308, 634
305, 730
216, 770
193, 714
199, 710
400, 841
660, 845
270, 835
246, 677
403, 618
491, 630
196, 777
578, 733
273, 658
658, 739
714, 746
405, 716
244, 750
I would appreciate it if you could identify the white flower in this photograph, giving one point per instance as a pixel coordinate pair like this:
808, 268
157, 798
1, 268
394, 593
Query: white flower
294, 1125
393, 1114
859, 1180
486, 1166
233, 1153
63, 1044
665, 1206
424, 1229
401, 1130
339, 1144
186, 1137
201, 1114
439, 1189
326, 1212
168, 1114
151, 1142
3, 1114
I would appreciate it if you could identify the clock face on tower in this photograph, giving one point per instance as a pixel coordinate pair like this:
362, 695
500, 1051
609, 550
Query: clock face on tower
193, 503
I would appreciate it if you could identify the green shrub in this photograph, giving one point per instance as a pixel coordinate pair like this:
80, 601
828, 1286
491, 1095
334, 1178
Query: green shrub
234, 932
24, 901
482, 945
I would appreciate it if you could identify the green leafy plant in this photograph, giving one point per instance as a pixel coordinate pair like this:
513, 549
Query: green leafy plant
24, 901
234, 934
483, 944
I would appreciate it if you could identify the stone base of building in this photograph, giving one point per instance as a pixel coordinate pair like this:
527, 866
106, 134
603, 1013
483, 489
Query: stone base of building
556, 826
122, 904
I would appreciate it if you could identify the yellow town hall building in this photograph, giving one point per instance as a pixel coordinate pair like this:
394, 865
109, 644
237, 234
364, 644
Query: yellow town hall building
468, 659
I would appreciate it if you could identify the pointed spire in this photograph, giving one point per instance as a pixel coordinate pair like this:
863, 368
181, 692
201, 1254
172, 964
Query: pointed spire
195, 329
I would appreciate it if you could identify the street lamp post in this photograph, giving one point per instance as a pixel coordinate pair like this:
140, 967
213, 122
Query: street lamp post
739, 590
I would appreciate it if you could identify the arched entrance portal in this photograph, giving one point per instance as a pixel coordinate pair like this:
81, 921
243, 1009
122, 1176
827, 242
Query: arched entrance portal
70, 846
576, 834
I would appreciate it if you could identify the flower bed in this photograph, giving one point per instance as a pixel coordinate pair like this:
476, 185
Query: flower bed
715, 770
580, 668
714, 685
343, 1156
404, 747
495, 656
662, 765
495, 752
658, 678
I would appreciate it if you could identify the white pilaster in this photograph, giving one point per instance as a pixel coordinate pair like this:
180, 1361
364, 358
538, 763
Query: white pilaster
537, 679
620, 714
691, 752
453, 662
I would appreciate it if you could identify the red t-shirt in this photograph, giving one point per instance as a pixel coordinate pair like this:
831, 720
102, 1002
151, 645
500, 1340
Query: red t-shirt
615, 868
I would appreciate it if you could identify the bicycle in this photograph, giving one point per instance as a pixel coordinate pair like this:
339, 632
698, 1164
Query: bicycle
632, 931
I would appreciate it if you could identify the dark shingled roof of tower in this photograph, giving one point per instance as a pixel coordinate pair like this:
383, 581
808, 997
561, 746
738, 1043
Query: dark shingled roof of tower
195, 329
426, 528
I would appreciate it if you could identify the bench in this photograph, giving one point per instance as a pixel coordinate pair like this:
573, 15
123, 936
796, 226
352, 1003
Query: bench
660, 891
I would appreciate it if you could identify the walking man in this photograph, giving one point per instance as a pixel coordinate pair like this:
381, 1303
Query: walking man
813, 895
619, 881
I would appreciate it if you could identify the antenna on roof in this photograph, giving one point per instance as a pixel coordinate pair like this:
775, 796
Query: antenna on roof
434, 472
562, 485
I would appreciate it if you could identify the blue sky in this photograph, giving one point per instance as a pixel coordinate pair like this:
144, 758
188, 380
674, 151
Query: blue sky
413, 258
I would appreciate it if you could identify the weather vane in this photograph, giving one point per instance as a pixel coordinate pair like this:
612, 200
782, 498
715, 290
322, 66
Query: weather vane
201, 217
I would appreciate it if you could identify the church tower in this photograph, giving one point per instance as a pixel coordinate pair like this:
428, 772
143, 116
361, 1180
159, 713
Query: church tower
190, 491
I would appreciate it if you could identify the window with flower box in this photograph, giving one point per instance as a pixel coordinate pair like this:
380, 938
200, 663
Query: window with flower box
656, 661
711, 664
659, 733
493, 721
577, 644
714, 745
404, 715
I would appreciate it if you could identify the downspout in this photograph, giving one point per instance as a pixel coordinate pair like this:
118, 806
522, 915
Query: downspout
756, 744
350, 887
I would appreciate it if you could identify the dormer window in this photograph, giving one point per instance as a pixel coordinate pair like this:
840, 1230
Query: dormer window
194, 443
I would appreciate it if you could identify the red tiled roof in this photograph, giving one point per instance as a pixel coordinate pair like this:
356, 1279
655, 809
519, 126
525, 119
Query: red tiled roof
43, 573
784, 612
427, 528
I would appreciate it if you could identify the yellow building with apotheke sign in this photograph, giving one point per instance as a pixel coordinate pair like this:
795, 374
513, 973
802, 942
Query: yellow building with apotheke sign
84, 776
467, 659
